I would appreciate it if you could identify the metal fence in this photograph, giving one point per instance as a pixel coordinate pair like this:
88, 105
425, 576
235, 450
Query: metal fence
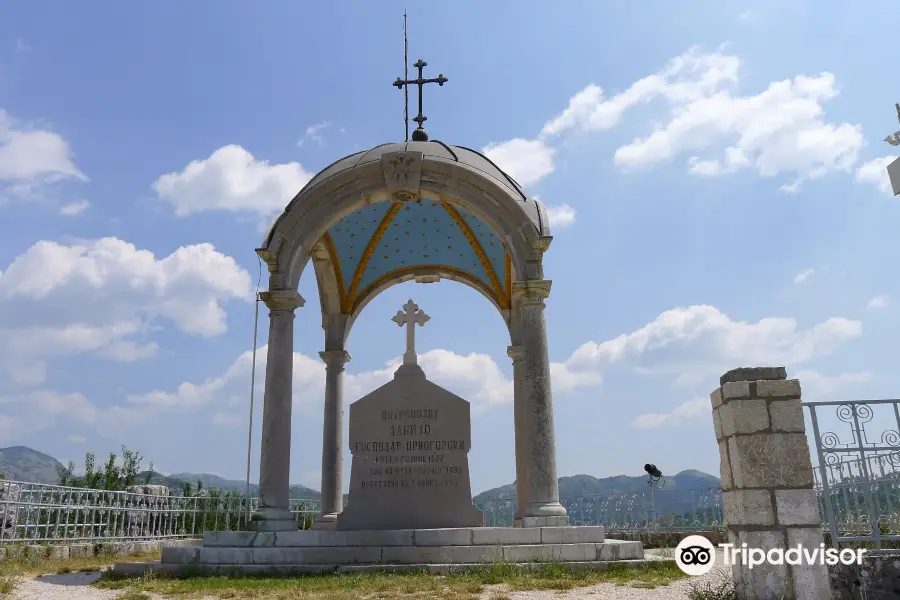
858, 477
53, 513
656, 509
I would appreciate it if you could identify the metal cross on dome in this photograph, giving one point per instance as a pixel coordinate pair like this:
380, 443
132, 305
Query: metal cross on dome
419, 135
412, 315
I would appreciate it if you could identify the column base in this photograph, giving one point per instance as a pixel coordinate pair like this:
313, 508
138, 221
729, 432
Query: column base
545, 514
273, 519
557, 521
325, 522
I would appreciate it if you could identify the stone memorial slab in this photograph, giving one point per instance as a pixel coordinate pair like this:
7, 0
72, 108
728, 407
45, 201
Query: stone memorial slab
410, 442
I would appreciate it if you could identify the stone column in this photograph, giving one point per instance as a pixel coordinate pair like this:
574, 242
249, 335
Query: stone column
519, 415
273, 512
332, 440
767, 481
543, 508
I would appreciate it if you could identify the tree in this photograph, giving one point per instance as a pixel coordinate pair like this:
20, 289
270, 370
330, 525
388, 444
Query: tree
112, 476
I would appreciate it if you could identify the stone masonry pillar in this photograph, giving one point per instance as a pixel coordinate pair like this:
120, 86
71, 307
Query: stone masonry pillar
332, 439
543, 508
273, 512
519, 416
767, 481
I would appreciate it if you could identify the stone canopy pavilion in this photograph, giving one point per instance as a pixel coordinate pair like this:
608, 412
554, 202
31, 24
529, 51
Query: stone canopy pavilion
423, 211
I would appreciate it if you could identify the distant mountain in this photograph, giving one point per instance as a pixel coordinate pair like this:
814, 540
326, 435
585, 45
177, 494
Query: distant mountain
24, 464
587, 485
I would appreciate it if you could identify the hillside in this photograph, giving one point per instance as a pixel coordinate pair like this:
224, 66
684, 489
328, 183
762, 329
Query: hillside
24, 464
587, 485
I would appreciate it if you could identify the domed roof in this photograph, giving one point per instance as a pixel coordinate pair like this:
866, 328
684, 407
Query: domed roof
384, 242
435, 149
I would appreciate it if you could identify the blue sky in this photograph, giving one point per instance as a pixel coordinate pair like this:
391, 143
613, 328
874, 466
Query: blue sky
714, 170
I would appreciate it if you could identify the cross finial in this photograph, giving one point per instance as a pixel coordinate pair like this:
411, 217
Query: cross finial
412, 315
420, 135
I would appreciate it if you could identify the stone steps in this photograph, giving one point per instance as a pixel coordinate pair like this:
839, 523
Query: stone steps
350, 555
464, 536
180, 570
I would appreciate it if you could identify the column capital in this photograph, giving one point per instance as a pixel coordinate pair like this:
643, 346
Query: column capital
286, 300
515, 352
335, 357
533, 291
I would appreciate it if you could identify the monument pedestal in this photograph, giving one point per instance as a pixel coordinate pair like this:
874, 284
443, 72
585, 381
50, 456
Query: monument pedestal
431, 550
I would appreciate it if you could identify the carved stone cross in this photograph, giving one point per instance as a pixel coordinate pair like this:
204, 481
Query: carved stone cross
412, 315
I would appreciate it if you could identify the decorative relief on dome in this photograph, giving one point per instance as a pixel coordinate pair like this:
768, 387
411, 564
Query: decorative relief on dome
402, 175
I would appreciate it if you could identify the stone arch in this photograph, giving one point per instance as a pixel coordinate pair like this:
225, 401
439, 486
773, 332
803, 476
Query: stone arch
465, 220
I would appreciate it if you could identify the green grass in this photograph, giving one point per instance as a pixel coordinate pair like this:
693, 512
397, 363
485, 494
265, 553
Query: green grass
496, 579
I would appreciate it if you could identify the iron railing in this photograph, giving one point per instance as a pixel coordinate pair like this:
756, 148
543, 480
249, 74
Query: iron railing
656, 509
858, 476
52, 513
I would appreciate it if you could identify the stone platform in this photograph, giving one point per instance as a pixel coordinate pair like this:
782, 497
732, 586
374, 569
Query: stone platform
432, 550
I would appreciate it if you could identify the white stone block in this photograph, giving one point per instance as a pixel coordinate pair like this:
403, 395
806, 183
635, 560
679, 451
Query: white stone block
743, 416
770, 460
787, 416
810, 581
785, 388
550, 553
725, 467
224, 556
327, 555
443, 537
797, 507
81, 550
717, 424
180, 556
551, 521
748, 507
505, 535
715, 398
35, 553
237, 539
620, 550
442, 554
735, 389
572, 535
765, 580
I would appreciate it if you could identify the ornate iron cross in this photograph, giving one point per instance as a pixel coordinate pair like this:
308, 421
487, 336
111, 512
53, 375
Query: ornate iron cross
419, 135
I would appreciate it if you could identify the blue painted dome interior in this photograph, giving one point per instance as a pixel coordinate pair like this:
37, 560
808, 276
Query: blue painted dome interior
381, 241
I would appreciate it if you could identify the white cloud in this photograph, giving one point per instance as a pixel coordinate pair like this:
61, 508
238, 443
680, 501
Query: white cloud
780, 130
803, 275
76, 439
313, 133
875, 172
879, 301
31, 156
696, 408
74, 208
526, 161
21, 46
697, 342
231, 179
475, 377
38, 410
818, 387
561, 216
104, 296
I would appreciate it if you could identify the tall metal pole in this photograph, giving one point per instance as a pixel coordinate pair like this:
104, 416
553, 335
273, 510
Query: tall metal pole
252, 391
405, 76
